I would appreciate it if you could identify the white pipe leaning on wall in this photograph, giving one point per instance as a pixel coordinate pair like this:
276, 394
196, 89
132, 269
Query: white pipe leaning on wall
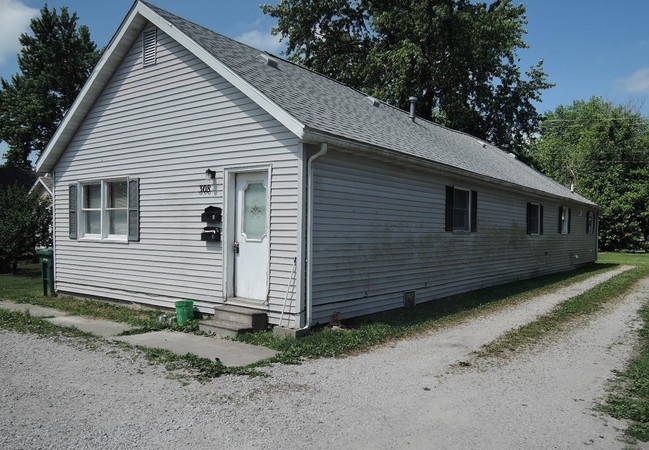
309, 242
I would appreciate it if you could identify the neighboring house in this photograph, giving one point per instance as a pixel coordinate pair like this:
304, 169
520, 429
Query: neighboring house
42, 187
316, 201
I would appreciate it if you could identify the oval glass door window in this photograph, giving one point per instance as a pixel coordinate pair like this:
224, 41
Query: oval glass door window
254, 216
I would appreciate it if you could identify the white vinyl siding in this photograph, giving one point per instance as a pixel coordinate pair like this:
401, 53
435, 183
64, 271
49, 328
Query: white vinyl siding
379, 230
166, 124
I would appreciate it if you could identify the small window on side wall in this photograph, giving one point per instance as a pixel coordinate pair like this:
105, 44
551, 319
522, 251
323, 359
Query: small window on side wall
461, 209
564, 220
534, 218
590, 222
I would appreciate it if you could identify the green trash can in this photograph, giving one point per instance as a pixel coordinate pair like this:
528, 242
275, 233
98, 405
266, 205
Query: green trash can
184, 311
46, 260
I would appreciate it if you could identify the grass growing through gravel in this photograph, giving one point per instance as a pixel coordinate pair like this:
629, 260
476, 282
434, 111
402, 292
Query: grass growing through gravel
566, 313
629, 398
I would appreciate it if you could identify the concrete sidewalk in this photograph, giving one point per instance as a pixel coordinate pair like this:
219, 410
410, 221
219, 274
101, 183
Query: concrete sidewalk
230, 353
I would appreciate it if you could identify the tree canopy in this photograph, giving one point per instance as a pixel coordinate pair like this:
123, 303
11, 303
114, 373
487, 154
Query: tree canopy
603, 150
55, 60
458, 57
25, 221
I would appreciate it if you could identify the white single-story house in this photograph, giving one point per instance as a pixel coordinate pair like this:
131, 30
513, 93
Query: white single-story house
192, 166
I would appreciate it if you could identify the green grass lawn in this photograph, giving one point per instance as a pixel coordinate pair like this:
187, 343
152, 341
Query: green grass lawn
26, 287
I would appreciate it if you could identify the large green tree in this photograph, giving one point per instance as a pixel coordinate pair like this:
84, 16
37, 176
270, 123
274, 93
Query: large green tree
24, 224
458, 57
55, 60
602, 149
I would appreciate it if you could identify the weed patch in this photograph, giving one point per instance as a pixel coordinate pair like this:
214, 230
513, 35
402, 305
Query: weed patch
23, 322
202, 369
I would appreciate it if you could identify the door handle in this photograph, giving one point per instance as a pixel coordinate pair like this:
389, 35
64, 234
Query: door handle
236, 247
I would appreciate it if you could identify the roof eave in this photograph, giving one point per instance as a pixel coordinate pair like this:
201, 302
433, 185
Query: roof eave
316, 136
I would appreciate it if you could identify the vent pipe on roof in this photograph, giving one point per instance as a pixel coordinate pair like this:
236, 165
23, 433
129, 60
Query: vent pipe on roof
413, 103
270, 61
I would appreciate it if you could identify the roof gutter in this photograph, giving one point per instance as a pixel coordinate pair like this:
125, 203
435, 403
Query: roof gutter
313, 136
309, 242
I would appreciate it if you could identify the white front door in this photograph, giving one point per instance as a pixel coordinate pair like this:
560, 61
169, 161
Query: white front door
251, 238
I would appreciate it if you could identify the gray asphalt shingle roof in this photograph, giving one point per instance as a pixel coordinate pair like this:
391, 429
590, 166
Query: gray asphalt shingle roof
325, 105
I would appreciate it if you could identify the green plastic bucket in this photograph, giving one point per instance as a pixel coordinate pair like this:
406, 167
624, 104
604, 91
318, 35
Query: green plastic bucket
184, 311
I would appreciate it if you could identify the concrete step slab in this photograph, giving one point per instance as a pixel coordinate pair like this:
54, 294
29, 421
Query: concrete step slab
247, 317
34, 310
103, 328
223, 328
230, 353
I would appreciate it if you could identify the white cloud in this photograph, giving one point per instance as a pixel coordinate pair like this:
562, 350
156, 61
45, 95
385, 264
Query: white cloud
262, 41
637, 82
14, 20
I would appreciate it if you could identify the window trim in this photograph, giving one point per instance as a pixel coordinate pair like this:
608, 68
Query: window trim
472, 209
565, 214
591, 219
104, 235
83, 210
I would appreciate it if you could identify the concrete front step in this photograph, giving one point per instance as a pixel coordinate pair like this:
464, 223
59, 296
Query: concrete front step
230, 320
247, 317
222, 328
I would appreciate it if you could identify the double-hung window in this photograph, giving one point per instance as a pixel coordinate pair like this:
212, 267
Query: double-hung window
461, 209
108, 210
590, 222
564, 220
534, 218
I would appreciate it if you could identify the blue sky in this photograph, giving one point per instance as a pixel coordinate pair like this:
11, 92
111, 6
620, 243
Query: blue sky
590, 47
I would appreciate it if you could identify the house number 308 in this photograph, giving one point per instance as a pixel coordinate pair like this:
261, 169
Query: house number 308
205, 189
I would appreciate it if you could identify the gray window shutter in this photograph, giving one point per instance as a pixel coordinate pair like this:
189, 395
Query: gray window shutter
529, 218
72, 211
560, 214
541, 219
449, 208
134, 209
474, 211
569, 218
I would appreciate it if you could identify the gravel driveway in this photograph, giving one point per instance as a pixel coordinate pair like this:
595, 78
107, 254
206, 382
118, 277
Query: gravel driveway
57, 394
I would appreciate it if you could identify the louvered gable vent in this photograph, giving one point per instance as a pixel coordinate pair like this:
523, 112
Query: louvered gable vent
150, 46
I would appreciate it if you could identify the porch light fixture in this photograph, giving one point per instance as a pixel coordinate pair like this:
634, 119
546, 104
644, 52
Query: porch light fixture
210, 174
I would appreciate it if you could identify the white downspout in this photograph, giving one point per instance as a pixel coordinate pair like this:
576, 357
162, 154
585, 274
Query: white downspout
309, 242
